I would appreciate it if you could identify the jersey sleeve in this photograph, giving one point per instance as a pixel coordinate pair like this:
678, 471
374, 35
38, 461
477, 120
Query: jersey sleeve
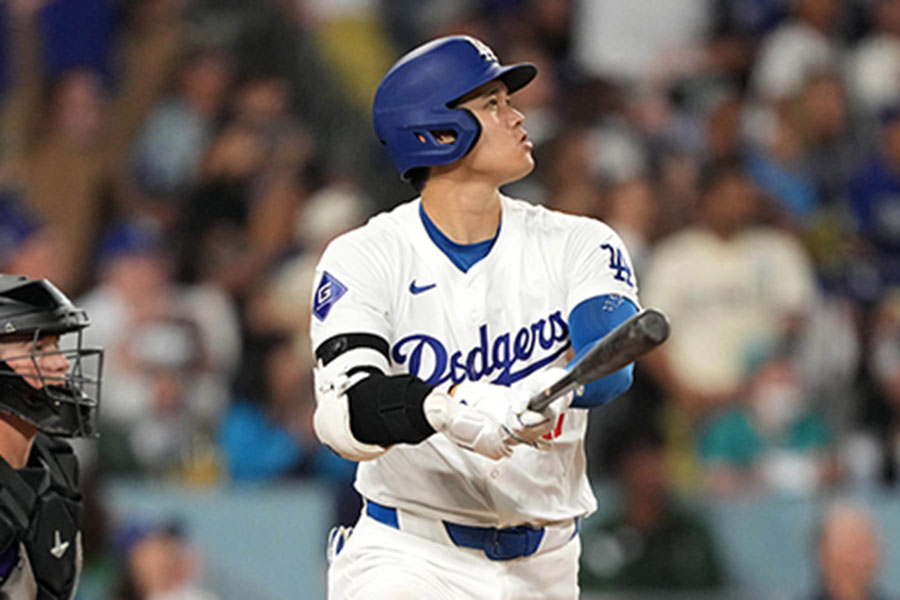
351, 291
596, 263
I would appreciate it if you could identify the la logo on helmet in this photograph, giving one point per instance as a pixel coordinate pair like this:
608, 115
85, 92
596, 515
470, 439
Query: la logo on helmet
483, 49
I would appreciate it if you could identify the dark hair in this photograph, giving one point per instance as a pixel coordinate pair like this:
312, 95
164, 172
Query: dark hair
714, 172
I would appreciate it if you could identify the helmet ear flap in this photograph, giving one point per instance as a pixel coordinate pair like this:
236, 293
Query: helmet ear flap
423, 142
477, 134
450, 136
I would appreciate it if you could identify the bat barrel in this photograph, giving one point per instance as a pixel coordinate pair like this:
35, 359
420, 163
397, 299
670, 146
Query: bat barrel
654, 325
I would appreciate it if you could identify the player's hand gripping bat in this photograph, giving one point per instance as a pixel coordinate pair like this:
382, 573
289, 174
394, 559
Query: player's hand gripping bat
630, 340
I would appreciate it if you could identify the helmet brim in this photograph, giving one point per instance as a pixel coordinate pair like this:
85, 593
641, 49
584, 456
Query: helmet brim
517, 76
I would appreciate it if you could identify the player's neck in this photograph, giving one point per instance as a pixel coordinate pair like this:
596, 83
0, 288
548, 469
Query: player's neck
16, 438
466, 213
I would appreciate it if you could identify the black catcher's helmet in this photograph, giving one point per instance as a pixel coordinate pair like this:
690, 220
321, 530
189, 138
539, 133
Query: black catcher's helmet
64, 405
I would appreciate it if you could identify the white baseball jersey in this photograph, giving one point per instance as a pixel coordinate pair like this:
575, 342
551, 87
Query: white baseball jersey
500, 321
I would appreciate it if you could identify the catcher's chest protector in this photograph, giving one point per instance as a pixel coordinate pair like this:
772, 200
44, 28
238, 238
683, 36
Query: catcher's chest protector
50, 545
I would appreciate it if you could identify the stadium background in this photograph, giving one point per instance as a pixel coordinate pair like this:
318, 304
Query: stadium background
177, 166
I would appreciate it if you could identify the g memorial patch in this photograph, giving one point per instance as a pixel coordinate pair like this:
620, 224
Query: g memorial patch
328, 292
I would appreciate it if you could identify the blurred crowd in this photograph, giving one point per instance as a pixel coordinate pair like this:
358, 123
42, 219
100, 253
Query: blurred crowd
178, 165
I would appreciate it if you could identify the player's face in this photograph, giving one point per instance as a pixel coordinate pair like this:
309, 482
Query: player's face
36, 359
503, 151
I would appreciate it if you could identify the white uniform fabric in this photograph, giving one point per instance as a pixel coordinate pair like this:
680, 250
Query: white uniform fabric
383, 563
500, 321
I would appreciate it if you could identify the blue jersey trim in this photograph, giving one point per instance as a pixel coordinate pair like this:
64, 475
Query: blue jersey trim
461, 255
588, 323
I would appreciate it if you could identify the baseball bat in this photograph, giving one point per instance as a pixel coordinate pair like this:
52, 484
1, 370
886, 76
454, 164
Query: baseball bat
623, 345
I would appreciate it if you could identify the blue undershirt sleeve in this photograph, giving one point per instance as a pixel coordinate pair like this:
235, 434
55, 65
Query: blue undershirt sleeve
588, 323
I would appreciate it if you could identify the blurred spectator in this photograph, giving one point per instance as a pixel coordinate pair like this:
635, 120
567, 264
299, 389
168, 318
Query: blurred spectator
263, 106
874, 197
677, 179
167, 362
632, 212
77, 34
626, 40
832, 149
723, 125
100, 568
651, 542
28, 246
617, 150
351, 40
266, 434
737, 27
874, 67
734, 291
800, 47
251, 187
871, 452
779, 165
167, 153
550, 23
70, 151
270, 436
158, 563
774, 441
567, 174
849, 554
284, 299
172, 351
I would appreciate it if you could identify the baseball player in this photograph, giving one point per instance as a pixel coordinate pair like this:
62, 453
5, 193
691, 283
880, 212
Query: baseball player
45, 394
435, 322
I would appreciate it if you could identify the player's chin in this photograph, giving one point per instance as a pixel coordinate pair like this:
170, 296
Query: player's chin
527, 163
517, 168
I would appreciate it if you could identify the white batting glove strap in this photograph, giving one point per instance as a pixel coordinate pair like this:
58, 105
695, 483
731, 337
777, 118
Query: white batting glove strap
509, 406
465, 426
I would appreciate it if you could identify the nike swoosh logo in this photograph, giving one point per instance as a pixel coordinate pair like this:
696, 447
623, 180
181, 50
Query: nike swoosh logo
414, 289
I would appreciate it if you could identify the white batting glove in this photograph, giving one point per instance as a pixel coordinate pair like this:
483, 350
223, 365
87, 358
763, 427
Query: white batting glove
467, 427
509, 406
530, 426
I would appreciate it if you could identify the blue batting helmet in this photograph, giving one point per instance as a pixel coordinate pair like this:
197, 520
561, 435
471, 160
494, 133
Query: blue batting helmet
413, 98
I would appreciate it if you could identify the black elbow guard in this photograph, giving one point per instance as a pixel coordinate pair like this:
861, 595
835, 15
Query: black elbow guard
387, 410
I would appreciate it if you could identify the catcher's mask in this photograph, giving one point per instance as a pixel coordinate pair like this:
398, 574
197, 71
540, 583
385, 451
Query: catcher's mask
58, 404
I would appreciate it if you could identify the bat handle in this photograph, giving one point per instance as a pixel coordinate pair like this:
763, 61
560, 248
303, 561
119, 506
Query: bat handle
545, 397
